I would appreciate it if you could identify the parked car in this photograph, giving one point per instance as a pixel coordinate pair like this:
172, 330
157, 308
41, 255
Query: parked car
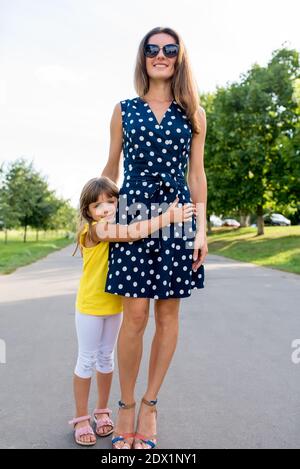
276, 219
215, 221
231, 222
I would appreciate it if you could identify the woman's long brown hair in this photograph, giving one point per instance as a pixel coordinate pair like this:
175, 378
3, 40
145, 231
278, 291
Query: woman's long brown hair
89, 194
183, 85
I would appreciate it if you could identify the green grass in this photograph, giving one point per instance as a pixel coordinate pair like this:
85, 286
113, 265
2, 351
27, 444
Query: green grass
16, 253
278, 248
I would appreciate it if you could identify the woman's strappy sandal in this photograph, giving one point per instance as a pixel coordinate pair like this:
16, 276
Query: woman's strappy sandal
147, 439
121, 436
103, 421
83, 431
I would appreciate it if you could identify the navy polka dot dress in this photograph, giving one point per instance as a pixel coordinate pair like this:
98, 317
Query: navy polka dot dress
155, 163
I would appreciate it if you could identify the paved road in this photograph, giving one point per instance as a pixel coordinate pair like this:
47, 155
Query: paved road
232, 383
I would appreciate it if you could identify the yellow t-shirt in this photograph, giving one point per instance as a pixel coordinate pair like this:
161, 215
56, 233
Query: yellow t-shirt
91, 297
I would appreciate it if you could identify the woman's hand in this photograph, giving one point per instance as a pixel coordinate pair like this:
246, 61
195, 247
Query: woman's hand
200, 250
180, 214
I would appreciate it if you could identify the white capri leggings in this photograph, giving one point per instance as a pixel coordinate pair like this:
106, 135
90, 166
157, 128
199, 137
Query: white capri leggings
97, 336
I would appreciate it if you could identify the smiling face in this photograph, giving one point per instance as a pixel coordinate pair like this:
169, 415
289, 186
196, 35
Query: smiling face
105, 206
160, 66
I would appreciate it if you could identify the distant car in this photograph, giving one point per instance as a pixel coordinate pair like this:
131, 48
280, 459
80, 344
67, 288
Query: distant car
231, 222
215, 221
276, 219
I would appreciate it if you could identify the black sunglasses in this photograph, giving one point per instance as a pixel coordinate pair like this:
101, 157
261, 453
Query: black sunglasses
169, 50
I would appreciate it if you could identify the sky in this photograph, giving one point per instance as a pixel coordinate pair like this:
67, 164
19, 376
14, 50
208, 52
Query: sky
64, 64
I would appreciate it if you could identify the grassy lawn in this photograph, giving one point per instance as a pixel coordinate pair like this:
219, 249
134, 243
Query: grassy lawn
278, 248
16, 253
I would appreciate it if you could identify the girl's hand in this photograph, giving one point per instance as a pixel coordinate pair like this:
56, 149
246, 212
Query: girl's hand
180, 214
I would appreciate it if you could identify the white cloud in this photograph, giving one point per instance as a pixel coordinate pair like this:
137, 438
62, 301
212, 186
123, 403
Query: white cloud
65, 64
3, 92
56, 75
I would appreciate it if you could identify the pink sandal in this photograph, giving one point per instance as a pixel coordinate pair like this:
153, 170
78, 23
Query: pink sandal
103, 421
87, 430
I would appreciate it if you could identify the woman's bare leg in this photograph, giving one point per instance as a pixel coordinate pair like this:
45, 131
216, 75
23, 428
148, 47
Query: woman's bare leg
130, 349
162, 351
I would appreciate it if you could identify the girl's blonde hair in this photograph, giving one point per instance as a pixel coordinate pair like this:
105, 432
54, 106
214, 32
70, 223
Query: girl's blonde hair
183, 83
89, 194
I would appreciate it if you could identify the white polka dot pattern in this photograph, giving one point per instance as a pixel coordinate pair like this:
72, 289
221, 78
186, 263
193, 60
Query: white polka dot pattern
155, 163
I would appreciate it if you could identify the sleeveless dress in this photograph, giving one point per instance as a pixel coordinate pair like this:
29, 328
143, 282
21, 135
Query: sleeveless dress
155, 164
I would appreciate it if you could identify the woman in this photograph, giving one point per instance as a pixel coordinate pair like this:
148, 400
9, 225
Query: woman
162, 135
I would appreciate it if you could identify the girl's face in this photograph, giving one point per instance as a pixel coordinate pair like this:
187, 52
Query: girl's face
104, 207
160, 66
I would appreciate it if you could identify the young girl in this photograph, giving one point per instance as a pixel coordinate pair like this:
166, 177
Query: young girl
98, 314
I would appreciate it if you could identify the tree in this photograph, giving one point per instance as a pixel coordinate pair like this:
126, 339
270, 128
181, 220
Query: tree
9, 218
251, 125
27, 195
65, 217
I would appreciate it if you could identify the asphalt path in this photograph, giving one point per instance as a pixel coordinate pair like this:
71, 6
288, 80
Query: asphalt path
232, 382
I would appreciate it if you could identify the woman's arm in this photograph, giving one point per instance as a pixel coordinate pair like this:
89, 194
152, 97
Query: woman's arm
112, 168
198, 188
141, 229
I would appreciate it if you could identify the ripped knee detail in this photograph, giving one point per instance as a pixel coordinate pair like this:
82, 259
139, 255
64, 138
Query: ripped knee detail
86, 364
105, 361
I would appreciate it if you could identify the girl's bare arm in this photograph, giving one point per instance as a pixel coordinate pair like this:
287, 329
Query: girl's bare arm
104, 231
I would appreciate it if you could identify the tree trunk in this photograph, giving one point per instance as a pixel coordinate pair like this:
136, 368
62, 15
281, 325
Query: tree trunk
25, 233
6, 236
260, 220
209, 230
37, 235
244, 219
